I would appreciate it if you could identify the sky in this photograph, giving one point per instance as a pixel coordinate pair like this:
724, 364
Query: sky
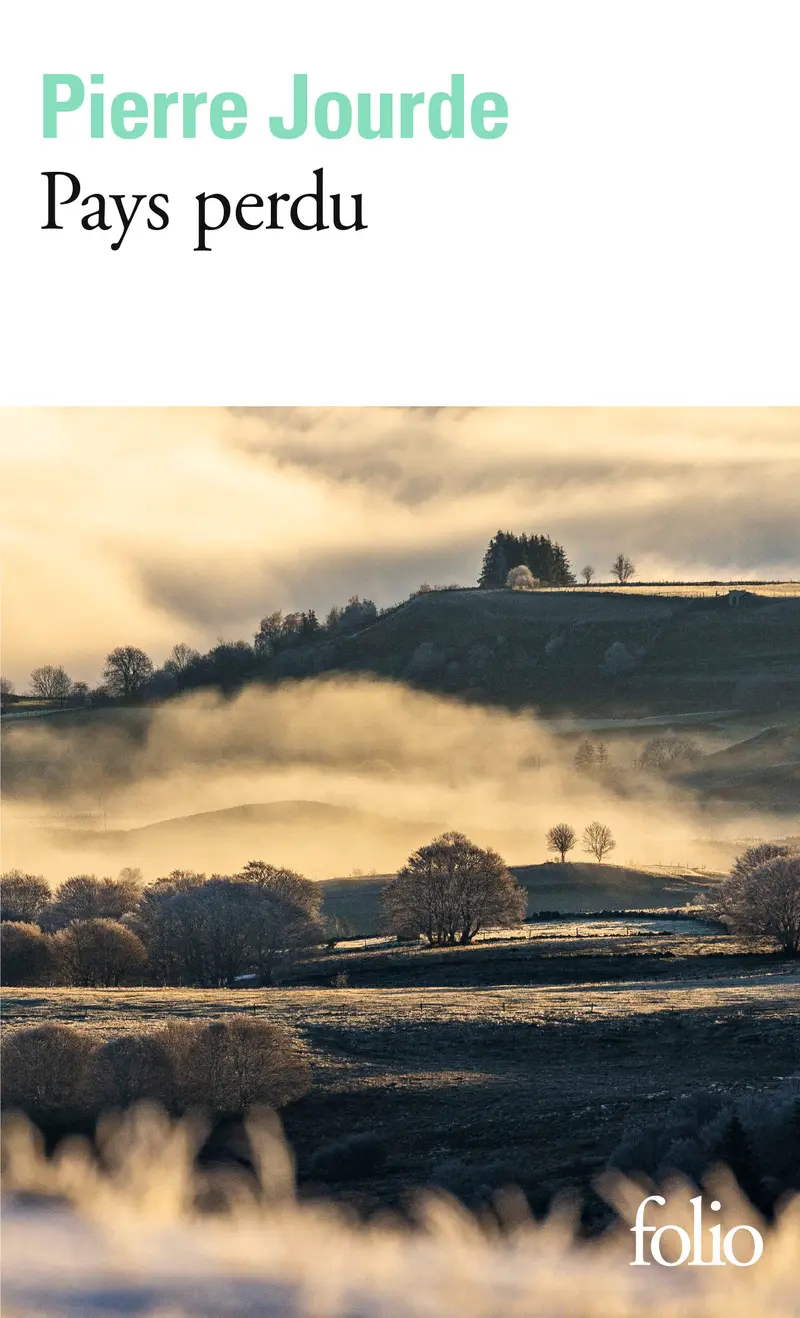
147, 527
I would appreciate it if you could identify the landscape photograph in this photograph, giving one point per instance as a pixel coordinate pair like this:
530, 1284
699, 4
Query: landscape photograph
401, 843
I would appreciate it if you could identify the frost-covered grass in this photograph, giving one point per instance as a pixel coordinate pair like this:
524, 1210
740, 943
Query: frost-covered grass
116, 1010
132, 1239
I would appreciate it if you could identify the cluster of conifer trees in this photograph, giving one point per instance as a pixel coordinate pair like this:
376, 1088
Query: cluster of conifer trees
546, 559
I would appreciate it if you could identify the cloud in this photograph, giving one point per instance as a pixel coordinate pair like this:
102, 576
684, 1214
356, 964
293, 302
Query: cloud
151, 526
347, 771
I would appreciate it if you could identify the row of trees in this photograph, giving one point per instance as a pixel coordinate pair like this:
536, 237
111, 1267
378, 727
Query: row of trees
126, 671
521, 577
130, 674
294, 643
186, 929
658, 755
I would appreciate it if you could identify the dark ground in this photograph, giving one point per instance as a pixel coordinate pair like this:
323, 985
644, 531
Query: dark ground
511, 1063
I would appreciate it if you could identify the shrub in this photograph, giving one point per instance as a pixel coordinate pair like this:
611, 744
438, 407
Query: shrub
521, 578
350, 1158
757, 1136
25, 953
98, 953
227, 1066
236, 1064
618, 659
131, 1068
44, 1069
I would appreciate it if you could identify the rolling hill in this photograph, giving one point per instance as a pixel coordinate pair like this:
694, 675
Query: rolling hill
551, 648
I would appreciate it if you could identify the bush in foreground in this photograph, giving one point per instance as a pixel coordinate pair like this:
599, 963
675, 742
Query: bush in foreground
757, 1136
132, 1068
226, 1066
351, 1158
44, 1069
270, 1254
235, 1064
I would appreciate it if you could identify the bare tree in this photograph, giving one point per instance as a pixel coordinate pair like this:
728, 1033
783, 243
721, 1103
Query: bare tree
587, 573
50, 683
179, 658
765, 901
23, 897
752, 858
623, 569
561, 838
8, 692
126, 670
98, 953
269, 633
661, 754
286, 884
451, 889
207, 931
521, 578
85, 897
598, 840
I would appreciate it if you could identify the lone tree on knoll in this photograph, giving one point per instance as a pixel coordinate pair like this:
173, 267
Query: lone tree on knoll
598, 840
623, 569
451, 889
561, 838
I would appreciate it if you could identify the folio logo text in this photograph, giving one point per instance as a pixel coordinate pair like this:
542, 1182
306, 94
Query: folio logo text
708, 1248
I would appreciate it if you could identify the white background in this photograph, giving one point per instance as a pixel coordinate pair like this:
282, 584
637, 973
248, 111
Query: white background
634, 237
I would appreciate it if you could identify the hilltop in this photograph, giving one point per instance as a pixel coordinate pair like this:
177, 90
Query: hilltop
550, 648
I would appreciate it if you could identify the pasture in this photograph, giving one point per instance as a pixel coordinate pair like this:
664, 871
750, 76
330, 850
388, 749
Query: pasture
452, 1060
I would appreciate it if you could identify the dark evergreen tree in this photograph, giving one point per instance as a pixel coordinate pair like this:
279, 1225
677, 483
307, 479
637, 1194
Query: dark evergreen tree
496, 563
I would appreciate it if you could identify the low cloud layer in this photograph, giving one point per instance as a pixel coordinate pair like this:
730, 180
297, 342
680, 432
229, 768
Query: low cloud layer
147, 527
349, 773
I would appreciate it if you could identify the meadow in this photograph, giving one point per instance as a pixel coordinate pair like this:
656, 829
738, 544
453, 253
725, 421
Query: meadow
521, 1060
